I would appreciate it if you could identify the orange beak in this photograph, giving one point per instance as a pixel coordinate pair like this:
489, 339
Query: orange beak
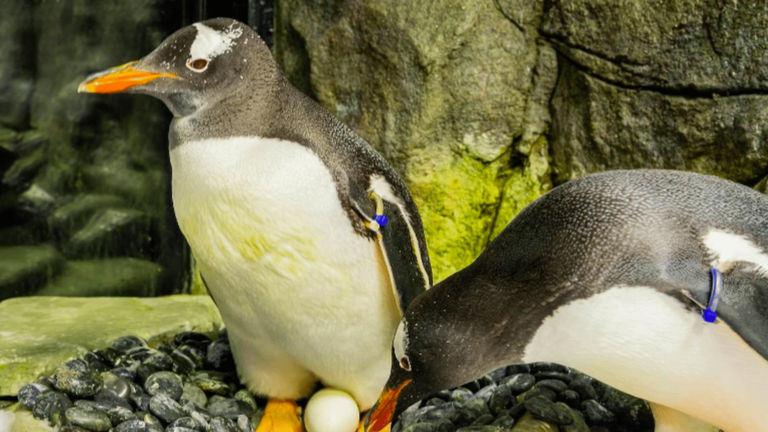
382, 414
119, 79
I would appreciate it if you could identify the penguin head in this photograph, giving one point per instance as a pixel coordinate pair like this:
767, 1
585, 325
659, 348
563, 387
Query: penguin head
433, 349
193, 68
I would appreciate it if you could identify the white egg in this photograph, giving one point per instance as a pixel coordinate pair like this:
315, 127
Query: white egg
331, 410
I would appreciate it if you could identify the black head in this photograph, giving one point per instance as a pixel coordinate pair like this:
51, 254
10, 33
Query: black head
440, 343
193, 68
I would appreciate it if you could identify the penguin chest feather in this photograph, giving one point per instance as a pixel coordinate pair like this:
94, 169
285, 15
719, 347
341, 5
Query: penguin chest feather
646, 343
302, 294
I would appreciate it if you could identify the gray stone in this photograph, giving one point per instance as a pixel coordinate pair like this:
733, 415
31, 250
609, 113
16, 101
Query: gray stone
42, 332
77, 378
165, 383
89, 419
165, 408
192, 393
528, 423
24, 269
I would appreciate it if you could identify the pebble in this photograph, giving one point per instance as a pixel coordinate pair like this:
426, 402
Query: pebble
246, 396
211, 385
192, 393
29, 393
187, 358
77, 378
92, 419
445, 425
548, 367
124, 373
116, 385
584, 388
124, 344
519, 383
479, 429
165, 408
540, 392
110, 400
553, 375
189, 423
544, 409
180, 429
218, 356
164, 383
553, 384
570, 398
144, 371
501, 399
159, 360
70, 428
120, 414
504, 422
109, 355
198, 340
220, 424
51, 405
461, 395
228, 408
483, 420
485, 392
420, 427
244, 424
96, 362
139, 398
137, 426
597, 414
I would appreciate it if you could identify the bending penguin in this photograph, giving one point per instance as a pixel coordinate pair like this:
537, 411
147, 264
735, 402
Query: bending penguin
308, 242
617, 275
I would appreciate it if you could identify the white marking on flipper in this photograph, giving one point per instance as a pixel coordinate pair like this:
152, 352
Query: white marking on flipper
380, 186
210, 43
728, 248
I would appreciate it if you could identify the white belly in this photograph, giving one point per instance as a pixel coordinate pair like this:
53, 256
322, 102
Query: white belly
301, 294
646, 344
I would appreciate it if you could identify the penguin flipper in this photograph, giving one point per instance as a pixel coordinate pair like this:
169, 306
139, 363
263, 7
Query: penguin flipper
744, 307
402, 251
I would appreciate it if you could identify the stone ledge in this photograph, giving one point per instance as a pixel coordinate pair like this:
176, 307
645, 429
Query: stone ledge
38, 333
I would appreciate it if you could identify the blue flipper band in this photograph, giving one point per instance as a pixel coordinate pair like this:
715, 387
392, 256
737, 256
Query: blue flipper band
710, 313
381, 220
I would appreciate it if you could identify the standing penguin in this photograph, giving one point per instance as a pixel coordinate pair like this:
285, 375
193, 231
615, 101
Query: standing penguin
308, 242
609, 274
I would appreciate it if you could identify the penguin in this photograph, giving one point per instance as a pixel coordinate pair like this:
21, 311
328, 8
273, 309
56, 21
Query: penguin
306, 239
652, 281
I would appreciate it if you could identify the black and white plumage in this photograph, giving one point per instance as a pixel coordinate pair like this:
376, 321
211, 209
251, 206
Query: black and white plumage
276, 197
608, 274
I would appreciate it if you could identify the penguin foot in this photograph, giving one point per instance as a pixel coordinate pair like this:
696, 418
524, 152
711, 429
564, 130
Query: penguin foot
281, 416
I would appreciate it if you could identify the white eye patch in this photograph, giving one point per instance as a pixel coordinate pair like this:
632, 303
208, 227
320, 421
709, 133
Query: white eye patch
211, 43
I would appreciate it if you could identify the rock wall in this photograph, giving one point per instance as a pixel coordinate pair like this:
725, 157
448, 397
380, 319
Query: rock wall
483, 106
84, 199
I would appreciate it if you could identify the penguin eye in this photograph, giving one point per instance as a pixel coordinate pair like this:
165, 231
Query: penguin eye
198, 65
405, 363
